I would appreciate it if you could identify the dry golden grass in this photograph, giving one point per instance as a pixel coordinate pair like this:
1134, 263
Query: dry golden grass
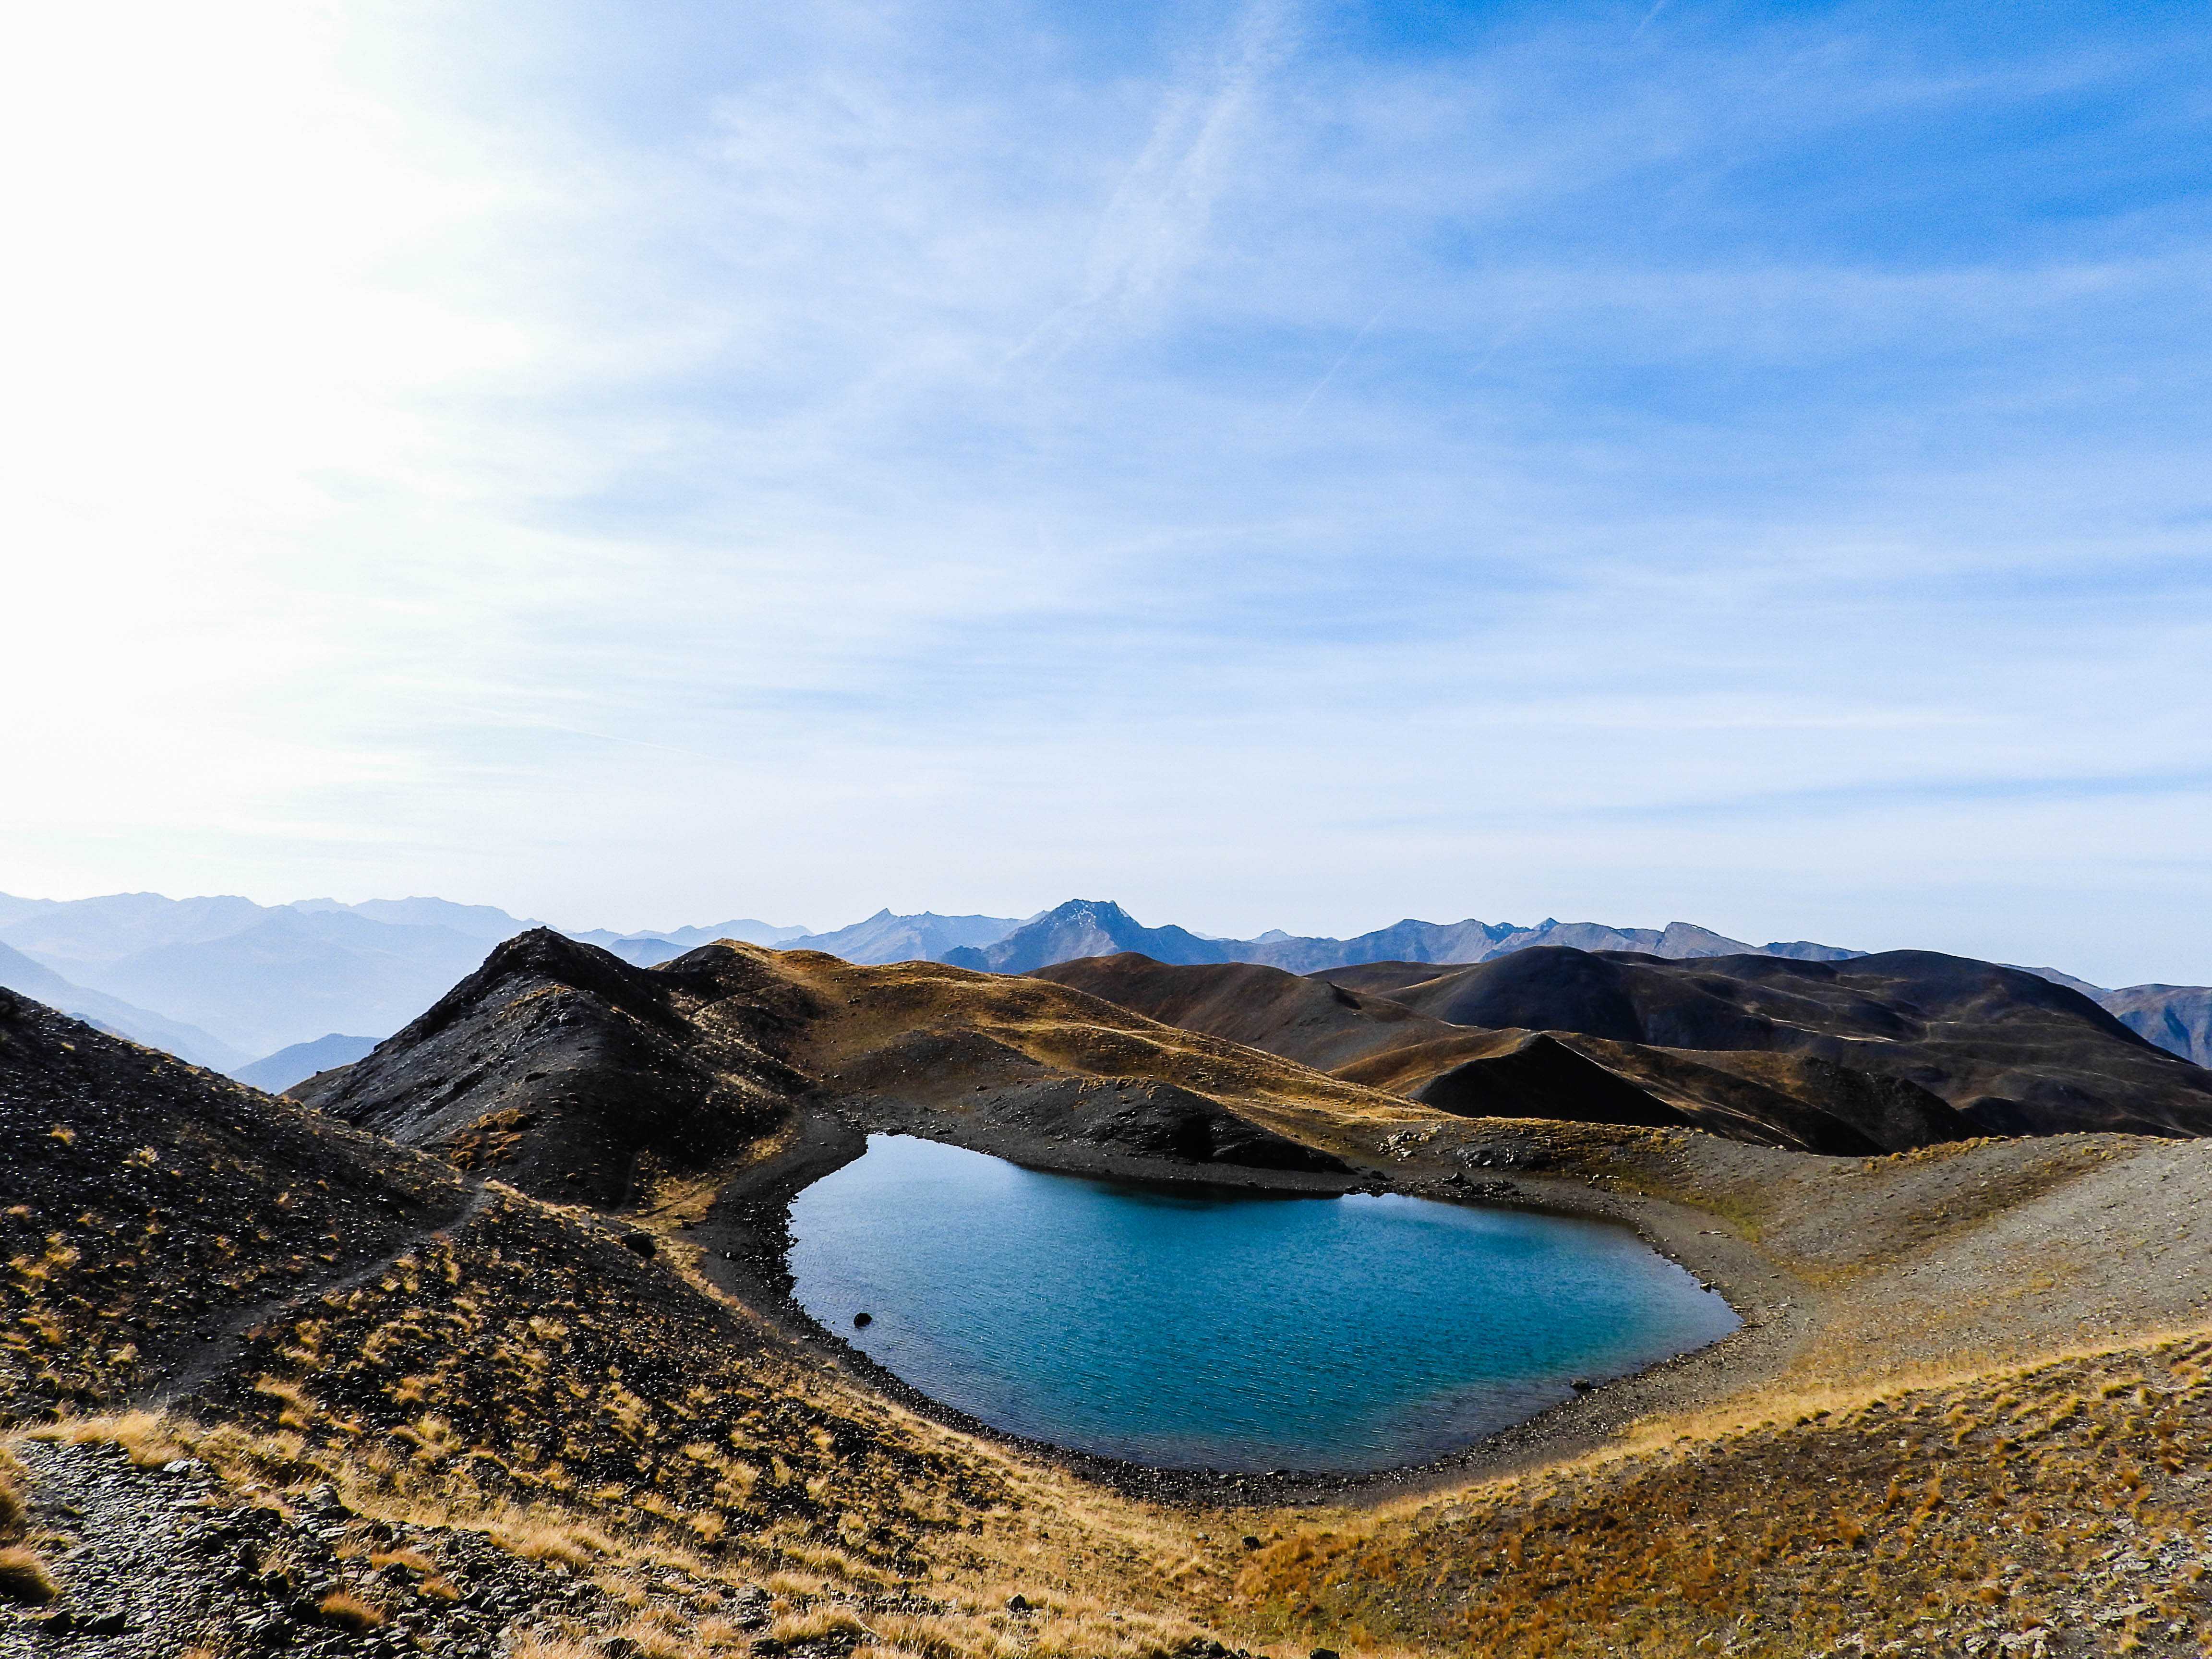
659, 1635
556, 1545
486, 1379
146, 1437
888, 1021
1951, 1515
349, 1612
1778, 1521
714, 1633
816, 1623
535, 1646
24, 1577
15, 1511
1096, 1568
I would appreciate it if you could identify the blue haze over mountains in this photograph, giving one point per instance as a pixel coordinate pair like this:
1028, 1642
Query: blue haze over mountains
272, 994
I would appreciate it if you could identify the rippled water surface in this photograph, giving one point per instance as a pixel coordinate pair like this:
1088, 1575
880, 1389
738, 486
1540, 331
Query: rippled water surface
1219, 1329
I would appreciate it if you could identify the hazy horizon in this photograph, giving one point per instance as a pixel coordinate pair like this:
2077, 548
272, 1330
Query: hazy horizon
572, 925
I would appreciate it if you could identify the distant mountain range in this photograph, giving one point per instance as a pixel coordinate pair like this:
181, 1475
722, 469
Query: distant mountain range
1098, 928
111, 1014
2176, 1018
221, 981
645, 949
257, 978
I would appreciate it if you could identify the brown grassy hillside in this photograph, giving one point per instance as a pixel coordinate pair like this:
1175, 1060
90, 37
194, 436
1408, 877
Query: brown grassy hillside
2057, 1508
1361, 1035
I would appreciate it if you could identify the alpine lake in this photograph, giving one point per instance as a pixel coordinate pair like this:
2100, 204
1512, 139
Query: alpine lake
1199, 1328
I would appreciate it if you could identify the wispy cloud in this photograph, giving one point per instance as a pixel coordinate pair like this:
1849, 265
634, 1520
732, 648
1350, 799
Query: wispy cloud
1258, 461
1155, 224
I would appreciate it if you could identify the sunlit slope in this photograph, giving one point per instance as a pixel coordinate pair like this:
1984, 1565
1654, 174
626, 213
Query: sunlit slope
1985, 1416
1021, 1052
147, 1208
576, 1075
1360, 1036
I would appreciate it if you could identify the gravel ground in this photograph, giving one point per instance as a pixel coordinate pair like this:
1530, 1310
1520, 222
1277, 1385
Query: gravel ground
155, 1562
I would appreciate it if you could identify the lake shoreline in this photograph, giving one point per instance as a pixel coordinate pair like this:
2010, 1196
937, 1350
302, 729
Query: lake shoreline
745, 1238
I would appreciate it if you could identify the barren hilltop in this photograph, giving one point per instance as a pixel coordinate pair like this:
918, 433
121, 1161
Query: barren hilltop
483, 1343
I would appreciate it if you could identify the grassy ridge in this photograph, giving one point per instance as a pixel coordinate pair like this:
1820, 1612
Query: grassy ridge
2061, 1504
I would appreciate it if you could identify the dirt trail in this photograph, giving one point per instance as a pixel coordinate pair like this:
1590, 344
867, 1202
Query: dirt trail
219, 1352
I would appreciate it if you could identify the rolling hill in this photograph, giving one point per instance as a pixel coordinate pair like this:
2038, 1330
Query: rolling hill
218, 979
1887, 1051
2009, 1049
575, 1074
1515, 1072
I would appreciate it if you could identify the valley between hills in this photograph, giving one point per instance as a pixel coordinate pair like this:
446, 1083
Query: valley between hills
484, 1344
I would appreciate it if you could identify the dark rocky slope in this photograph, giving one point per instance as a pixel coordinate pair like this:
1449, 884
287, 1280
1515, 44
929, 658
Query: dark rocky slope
149, 1210
476, 1372
441, 1416
574, 1073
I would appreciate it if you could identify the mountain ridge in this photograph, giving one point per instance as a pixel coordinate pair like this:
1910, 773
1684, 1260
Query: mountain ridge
410, 1395
1084, 928
295, 1064
197, 970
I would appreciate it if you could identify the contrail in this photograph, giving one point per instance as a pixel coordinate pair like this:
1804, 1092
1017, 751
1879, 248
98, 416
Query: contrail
1648, 16
1503, 335
1340, 361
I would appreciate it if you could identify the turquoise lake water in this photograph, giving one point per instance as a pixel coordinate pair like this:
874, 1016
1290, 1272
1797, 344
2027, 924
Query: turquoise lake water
1222, 1330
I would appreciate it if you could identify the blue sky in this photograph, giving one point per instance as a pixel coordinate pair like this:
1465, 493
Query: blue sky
1275, 464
